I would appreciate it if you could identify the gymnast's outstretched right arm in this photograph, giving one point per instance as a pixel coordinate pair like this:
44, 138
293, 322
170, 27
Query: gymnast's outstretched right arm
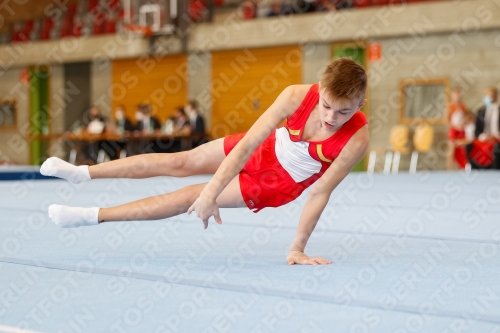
284, 106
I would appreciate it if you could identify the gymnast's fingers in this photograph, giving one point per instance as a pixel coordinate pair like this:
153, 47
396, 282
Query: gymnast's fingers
322, 261
311, 262
190, 209
217, 217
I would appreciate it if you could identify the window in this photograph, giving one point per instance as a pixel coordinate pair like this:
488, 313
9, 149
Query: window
8, 119
423, 101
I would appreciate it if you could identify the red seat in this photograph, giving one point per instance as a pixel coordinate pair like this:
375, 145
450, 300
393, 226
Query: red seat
28, 26
97, 29
248, 11
72, 10
361, 3
99, 22
77, 29
196, 9
110, 26
66, 27
14, 37
386, 2
45, 34
20, 33
65, 32
46, 28
93, 5
68, 21
121, 13
100, 17
113, 4
48, 23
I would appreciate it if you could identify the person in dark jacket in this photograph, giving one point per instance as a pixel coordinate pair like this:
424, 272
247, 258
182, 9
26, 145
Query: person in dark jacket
484, 152
197, 123
122, 126
147, 124
195, 119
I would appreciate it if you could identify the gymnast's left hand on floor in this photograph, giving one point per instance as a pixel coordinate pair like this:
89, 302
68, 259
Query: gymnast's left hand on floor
299, 257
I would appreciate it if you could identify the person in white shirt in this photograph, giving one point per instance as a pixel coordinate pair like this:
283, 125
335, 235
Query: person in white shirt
96, 123
146, 123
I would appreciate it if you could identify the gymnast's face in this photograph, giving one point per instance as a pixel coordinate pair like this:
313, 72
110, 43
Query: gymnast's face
334, 113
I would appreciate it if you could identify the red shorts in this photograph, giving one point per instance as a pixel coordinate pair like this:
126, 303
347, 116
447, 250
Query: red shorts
455, 134
263, 181
459, 152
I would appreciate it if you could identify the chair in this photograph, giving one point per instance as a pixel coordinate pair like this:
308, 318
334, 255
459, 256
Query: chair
372, 159
196, 10
71, 12
92, 5
399, 144
398, 141
361, 3
66, 27
102, 156
77, 27
110, 27
72, 156
422, 142
114, 4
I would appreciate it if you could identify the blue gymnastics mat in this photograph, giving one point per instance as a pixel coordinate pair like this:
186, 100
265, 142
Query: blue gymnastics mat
411, 253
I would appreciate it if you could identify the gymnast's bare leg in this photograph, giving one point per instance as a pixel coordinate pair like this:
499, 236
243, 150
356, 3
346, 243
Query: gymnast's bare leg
204, 159
152, 208
201, 160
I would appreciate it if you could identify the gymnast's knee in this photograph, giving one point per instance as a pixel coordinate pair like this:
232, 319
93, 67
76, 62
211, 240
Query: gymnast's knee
190, 193
176, 161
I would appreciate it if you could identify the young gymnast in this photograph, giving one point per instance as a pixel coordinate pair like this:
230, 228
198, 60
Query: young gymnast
324, 137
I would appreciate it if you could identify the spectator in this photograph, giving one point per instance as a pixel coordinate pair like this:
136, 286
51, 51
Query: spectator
263, 8
122, 123
302, 6
147, 124
324, 6
95, 126
195, 119
137, 116
182, 125
484, 152
469, 126
276, 9
169, 125
343, 4
197, 124
122, 126
248, 9
96, 123
456, 118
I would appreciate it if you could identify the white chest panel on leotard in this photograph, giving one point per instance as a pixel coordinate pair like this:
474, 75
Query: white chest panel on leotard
294, 157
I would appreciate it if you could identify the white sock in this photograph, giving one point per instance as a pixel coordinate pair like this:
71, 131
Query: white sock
72, 217
56, 167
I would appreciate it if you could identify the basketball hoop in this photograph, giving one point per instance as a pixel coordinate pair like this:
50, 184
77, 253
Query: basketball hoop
138, 29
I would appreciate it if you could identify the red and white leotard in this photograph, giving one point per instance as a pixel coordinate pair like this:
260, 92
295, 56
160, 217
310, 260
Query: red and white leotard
284, 165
